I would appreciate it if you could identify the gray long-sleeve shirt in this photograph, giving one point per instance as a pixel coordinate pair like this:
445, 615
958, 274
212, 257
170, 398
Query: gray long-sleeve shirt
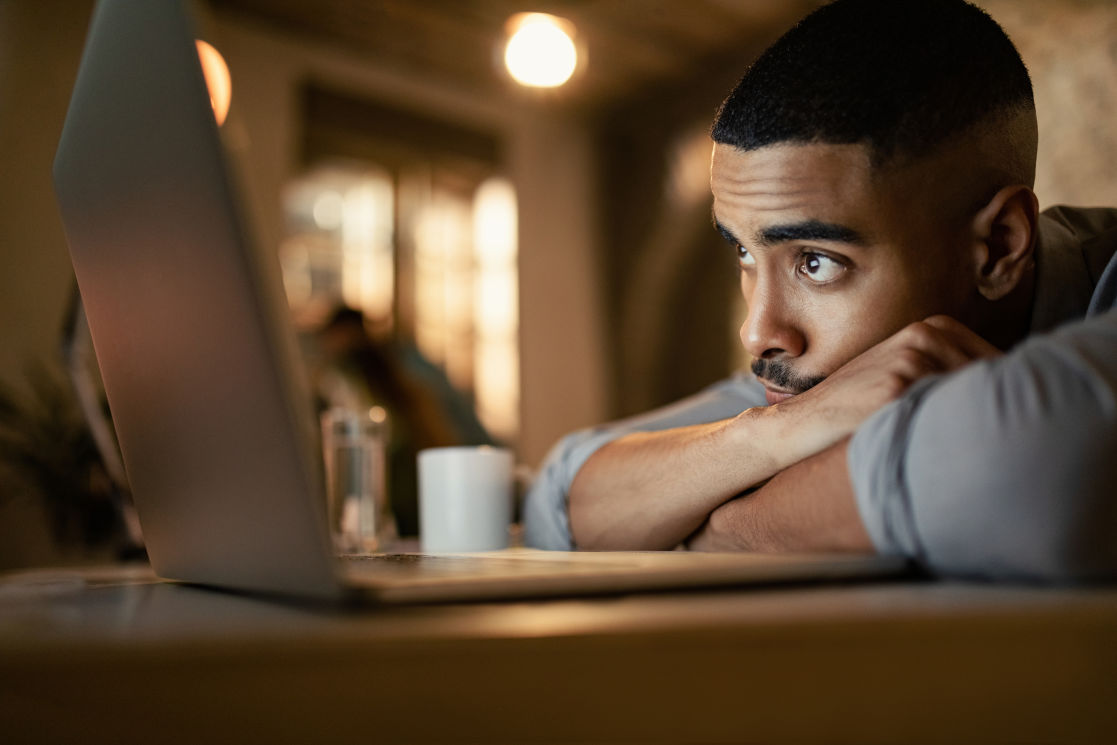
1006, 468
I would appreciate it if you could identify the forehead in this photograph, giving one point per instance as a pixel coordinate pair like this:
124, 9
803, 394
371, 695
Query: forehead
792, 182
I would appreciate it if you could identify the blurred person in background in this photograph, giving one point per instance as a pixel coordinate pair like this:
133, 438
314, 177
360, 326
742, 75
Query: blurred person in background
423, 408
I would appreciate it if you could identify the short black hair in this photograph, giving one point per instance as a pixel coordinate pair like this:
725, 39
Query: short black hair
900, 76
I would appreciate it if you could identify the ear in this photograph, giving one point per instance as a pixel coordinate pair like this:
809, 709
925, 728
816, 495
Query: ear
1005, 235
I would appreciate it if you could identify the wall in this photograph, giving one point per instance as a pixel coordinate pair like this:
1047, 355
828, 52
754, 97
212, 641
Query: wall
1070, 49
40, 45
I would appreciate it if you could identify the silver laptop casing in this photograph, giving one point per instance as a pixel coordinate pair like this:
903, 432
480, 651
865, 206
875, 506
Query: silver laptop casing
187, 320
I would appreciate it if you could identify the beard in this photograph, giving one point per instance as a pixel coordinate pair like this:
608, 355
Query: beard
782, 374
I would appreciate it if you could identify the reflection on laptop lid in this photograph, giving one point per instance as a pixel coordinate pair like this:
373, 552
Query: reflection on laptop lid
190, 328
187, 320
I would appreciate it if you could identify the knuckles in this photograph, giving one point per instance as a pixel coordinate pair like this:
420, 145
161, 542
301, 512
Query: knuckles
910, 360
919, 334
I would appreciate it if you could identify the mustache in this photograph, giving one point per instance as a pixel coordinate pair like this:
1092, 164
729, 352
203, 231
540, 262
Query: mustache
782, 374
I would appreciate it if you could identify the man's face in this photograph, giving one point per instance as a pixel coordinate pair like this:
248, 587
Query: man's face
834, 256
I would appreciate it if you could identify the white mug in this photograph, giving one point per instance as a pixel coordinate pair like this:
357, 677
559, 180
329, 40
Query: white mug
465, 499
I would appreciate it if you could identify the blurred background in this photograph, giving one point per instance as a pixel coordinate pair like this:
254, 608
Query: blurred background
542, 256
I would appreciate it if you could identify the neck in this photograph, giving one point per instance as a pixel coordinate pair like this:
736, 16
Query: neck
1006, 322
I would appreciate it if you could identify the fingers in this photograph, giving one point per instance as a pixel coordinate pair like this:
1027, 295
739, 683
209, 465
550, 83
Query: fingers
941, 352
911, 363
938, 344
961, 335
945, 343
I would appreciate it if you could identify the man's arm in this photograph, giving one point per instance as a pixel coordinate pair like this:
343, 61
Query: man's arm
649, 490
808, 507
1007, 469
653, 490
545, 509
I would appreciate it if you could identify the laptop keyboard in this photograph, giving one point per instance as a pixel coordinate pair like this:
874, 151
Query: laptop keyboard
427, 565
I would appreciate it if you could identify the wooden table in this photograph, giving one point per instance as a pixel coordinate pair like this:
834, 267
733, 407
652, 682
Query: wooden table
112, 655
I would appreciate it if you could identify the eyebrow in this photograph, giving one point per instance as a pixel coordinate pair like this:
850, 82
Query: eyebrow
805, 230
809, 230
725, 233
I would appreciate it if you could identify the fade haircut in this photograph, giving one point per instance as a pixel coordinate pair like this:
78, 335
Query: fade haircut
900, 76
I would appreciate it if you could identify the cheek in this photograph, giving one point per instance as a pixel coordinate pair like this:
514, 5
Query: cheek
845, 324
932, 271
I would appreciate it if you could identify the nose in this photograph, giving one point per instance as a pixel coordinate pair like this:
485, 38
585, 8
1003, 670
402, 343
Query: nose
770, 330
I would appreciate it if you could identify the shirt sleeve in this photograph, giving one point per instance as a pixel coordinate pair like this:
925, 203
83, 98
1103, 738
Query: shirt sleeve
1006, 469
545, 516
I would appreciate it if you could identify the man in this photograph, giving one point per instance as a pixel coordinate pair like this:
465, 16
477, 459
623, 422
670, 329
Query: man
910, 393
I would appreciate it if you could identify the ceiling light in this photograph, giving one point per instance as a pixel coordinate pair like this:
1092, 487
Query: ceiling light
218, 82
540, 51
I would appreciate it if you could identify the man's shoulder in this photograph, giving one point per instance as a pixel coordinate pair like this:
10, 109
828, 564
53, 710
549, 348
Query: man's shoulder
1086, 237
1083, 222
1091, 229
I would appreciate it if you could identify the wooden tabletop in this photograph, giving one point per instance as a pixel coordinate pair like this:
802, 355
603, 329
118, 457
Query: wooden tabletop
113, 655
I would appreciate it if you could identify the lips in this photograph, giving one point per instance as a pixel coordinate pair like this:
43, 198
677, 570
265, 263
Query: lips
774, 396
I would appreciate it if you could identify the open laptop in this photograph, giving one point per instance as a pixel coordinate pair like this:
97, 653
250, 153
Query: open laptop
199, 363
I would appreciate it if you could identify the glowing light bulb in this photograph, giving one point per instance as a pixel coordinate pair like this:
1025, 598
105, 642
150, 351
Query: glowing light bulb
540, 51
218, 82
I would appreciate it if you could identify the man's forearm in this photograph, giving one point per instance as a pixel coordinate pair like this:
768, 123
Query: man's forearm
807, 507
653, 490
650, 490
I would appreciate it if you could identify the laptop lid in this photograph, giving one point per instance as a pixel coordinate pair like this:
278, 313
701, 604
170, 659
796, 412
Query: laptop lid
187, 318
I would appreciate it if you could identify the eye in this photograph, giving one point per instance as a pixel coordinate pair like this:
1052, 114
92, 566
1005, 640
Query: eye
744, 258
818, 268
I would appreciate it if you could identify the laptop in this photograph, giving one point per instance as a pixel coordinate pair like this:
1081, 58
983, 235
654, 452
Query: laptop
200, 366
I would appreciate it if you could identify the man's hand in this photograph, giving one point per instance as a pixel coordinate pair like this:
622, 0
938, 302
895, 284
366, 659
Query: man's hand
832, 410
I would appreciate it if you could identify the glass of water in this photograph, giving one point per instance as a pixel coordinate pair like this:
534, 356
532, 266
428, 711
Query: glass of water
353, 447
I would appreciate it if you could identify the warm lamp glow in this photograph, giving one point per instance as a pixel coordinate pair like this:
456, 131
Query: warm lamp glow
218, 81
540, 51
